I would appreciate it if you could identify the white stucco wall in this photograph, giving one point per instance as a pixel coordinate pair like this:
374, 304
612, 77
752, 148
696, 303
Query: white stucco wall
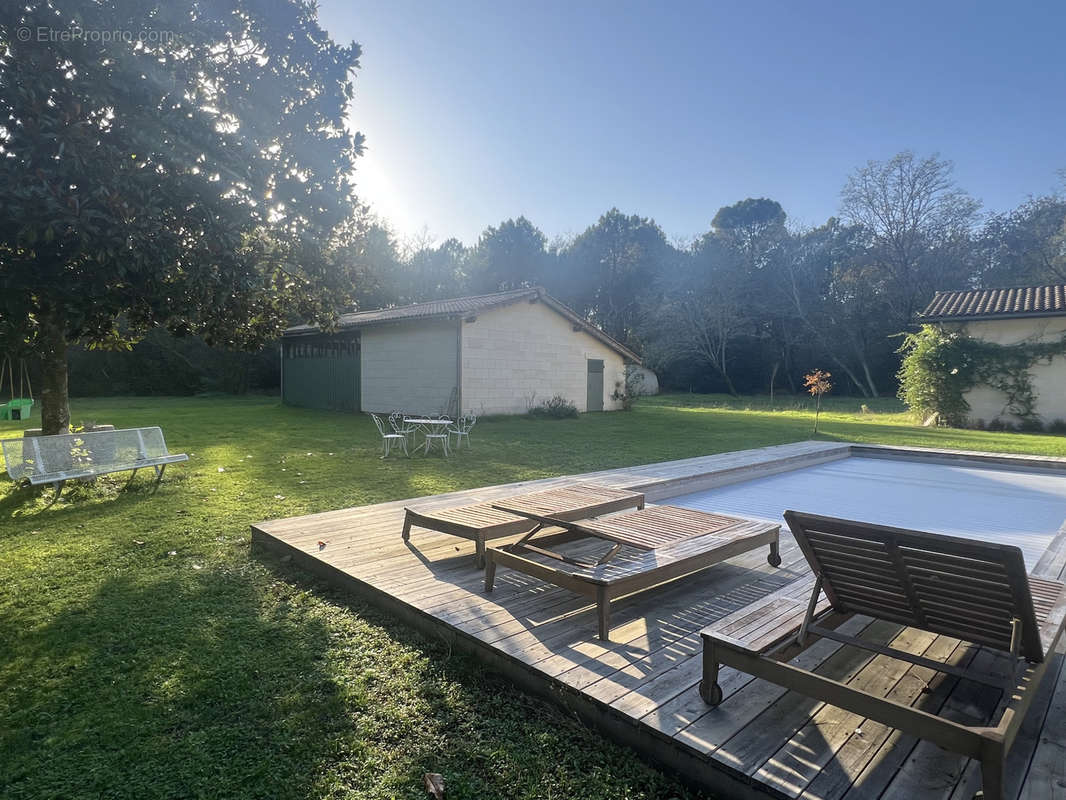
510, 353
1049, 379
409, 366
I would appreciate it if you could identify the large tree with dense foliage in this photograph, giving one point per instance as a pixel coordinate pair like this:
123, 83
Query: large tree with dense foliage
510, 255
189, 175
611, 265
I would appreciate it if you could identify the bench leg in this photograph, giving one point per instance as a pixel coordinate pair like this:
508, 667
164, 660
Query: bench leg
479, 552
159, 476
774, 559
407, 526
58, 493
603, 612
490, 573
130, 481
710, 691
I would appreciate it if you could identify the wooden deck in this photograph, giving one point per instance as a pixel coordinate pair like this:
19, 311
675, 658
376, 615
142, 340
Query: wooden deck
640, 688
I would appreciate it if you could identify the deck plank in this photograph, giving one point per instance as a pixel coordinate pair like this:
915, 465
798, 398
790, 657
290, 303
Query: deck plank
641, 687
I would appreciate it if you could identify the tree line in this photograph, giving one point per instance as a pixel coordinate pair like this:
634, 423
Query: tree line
753, 303
200, 188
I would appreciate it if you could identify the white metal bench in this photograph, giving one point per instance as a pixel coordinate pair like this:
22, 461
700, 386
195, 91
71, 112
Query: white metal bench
78, 456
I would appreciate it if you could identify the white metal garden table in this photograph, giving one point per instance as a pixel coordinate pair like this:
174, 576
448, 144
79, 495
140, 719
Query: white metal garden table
431, 427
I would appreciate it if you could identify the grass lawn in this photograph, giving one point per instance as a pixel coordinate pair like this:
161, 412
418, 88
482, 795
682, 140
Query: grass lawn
145, 653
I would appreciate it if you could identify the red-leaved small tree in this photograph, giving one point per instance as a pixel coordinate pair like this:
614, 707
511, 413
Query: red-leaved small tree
818, 383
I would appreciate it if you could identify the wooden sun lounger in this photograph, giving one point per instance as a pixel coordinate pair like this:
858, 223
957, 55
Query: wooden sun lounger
647, 548
974, 591
483, 521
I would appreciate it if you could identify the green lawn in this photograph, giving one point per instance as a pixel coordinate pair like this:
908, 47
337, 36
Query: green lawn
145, 653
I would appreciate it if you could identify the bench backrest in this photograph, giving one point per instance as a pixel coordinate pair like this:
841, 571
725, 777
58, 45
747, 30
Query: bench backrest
78, 452
963, 588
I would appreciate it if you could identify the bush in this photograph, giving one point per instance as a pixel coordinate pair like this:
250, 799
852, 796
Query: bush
1057, 426
557, 407
1031, 425
936, 372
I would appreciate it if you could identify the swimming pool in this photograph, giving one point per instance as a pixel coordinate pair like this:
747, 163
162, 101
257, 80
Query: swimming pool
1020, 507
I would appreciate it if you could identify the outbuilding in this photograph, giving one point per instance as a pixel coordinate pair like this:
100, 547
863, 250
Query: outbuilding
488, 354
1026, 314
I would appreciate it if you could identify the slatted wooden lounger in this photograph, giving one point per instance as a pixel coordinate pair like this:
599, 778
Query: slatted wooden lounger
483, 521
646, 548
975, 591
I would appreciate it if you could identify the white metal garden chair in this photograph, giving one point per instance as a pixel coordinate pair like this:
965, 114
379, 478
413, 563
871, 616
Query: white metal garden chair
461, 429
442, 438
400, 424
388, 439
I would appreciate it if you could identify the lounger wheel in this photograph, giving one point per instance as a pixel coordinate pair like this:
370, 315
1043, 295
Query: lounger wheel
712, 697
774, 559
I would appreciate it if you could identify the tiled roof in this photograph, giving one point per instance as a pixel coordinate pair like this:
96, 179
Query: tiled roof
461, 306
1022, 301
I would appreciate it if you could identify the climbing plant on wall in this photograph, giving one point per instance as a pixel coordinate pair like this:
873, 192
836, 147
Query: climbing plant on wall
940, 366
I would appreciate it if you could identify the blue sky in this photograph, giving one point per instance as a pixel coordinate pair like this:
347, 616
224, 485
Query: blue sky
475, 112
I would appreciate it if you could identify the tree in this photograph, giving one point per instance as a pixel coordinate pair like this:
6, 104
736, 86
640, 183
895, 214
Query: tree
188, 176
751, 226
920, 223
611, 265
1026, 245
755, 228
702, 309
837, 296
817, 384
431, 272
509, 256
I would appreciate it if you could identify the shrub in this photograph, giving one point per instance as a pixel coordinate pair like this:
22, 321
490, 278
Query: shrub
626, 392
557, 407
1057, 426
1031, 425
1000, 424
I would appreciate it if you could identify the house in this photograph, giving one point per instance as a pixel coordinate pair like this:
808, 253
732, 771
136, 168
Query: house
490, 354
1010, 316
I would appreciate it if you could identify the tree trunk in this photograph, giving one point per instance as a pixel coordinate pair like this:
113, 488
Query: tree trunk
728, 381
869, 379
862, 387
55, 411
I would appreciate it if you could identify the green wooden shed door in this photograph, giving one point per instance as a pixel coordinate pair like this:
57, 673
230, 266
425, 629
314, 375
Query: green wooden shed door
595, 385
322, 373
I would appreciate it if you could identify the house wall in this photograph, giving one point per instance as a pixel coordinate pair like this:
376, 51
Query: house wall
409, 366
513, 352
1049, 379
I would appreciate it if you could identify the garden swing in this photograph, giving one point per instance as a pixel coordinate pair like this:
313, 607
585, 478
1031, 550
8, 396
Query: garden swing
19, 406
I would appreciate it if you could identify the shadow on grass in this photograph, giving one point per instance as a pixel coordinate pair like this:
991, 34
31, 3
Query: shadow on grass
167, 686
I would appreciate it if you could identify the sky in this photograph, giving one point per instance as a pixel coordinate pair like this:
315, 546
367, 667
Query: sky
477, 112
